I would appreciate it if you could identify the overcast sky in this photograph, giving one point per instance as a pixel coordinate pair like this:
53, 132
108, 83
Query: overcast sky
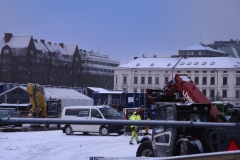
123, 29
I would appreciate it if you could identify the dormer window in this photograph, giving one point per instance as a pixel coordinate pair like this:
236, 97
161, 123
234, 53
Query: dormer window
212, 63
189, 63
182, 63
152, 64
195, 63
138, 64
169, 64
203, 63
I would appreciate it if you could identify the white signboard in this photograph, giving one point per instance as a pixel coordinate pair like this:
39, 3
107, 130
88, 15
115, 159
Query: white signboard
130, 99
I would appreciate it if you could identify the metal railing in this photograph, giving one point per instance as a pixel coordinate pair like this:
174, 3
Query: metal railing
11, 121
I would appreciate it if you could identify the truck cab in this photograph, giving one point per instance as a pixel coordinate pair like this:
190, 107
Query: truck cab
168, 141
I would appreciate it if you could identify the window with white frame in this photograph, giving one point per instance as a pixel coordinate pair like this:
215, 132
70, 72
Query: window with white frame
156, 80
237, 95
165, 80
149, 80
135, 80
224, 80
224, 93
142, 80
135, 90
124, 79
204, 80
204, 91
237, 80
212, 80
196, 80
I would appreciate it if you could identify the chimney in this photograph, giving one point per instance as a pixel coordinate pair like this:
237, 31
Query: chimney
42, 40
35, 40
49, 43
61, 44
7, 37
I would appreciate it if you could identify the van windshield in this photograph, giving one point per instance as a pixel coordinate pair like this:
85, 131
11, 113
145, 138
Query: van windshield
109, 112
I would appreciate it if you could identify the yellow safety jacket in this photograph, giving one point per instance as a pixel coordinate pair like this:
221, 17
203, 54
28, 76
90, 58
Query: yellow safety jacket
135, 117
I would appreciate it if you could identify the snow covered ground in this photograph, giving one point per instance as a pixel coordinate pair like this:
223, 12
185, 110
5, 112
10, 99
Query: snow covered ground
55, 145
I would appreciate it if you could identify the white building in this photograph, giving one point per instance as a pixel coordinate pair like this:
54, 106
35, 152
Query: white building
217, 77
96, 63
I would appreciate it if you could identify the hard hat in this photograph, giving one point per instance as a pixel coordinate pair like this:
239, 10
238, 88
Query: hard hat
134, 112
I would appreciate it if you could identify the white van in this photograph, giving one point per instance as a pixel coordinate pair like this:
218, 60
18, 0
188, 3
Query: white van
91, 113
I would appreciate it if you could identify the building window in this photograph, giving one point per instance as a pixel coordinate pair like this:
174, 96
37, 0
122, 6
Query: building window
6, 51
204, 80
224, 80
124, 80
196, 80
212, 81
135, 81
135, 90
237, 94
224, 71
142, 90
142, 80
149, 80
204, 91
204, 71
156, 80
224, 93
165, 80
212, 93
178, 71
196, 71
237, 80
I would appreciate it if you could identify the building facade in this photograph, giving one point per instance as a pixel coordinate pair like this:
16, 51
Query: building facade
96, 63
217, 77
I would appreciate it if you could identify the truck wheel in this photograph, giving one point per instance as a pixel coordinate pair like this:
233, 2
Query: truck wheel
103, 131
68, 130
145, 150
183, 148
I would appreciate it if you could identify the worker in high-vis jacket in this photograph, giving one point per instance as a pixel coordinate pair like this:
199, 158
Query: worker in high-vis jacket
134, 116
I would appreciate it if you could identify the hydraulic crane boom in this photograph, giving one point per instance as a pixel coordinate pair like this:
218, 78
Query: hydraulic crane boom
36, 95
183, 88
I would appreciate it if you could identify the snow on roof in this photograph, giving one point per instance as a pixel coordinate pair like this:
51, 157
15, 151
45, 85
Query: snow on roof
16, 42
56, 48
209, 62
70, 48
200, 46
101, 90
40, 46
150, 63
190, 62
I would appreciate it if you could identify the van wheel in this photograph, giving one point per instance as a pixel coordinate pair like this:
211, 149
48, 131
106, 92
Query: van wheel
120, 133
68, 130
103, 131
85, 132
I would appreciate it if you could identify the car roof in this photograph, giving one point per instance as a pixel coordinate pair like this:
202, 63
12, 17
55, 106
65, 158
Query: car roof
87, 107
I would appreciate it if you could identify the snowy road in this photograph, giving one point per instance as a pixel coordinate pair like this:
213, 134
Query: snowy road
54, 145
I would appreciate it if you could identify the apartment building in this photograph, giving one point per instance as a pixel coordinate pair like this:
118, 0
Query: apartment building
96, 63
